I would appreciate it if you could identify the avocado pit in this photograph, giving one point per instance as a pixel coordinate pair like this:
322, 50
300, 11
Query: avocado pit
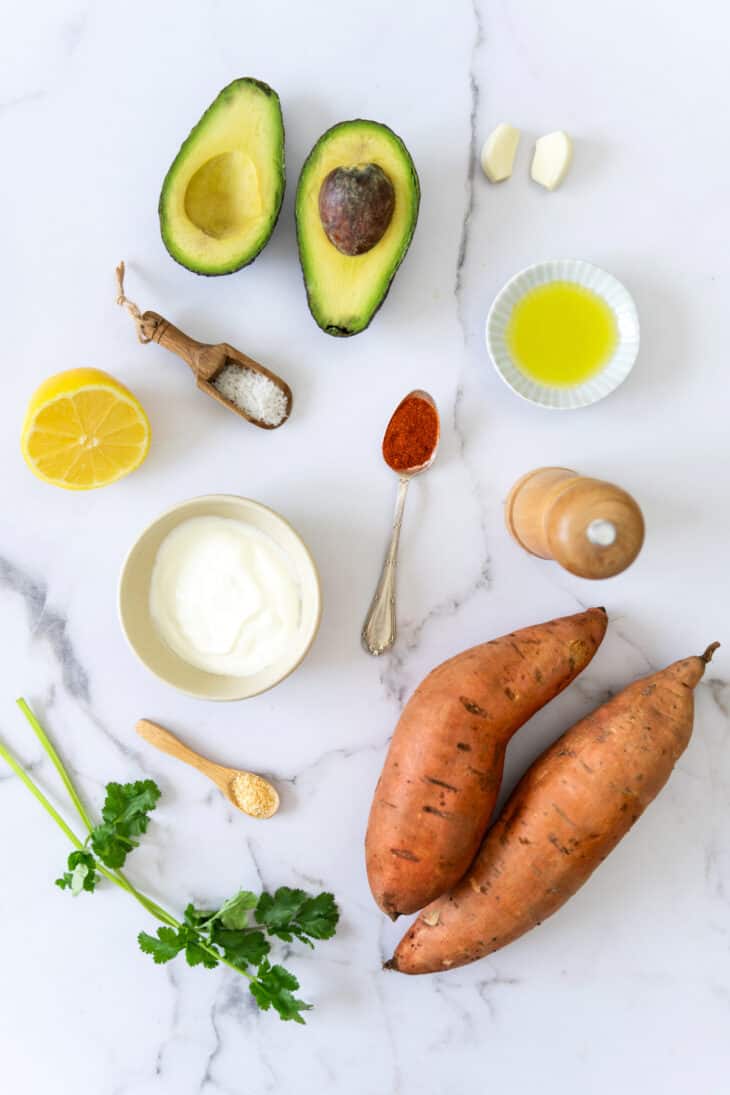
356, 206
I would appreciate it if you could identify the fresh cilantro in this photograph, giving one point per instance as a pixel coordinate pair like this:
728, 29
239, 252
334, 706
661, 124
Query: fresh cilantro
227, 935
277, 913
293, 914
169, 942
317, 918
197, 955
164, 946
274, 987
233, 913
207, 937
81, 874
125, 815
242, 949
196, 918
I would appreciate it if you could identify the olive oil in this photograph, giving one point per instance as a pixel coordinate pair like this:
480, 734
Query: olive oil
561, 334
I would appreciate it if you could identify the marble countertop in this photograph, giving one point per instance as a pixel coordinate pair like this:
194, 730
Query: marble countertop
628, 987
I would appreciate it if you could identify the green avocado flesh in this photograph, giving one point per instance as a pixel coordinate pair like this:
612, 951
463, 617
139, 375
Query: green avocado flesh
345, 290
221, 197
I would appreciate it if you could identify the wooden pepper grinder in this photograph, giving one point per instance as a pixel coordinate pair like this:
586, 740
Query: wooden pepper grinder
591, 528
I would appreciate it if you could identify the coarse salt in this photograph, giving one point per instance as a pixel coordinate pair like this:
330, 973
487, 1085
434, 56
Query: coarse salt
252, 393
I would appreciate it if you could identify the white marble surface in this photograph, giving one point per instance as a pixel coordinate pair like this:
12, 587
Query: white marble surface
629, 986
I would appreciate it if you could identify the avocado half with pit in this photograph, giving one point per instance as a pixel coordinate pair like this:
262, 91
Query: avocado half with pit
356, 211
221, 197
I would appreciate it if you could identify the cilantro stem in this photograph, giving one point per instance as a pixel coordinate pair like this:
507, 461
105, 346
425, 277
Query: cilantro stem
56, 761
146, 902
36, 791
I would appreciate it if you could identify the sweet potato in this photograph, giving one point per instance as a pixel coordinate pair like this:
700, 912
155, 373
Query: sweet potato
442, 773
569, 811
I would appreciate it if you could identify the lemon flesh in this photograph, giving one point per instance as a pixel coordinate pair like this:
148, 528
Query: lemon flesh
83, 429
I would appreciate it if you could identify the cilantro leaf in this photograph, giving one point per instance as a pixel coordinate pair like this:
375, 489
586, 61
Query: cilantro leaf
233, 913
273, 987
195, 955
317, 918
111, 847
242, 948
128, 804
292, 913
165, 946
125, 815
198, 918
81, 874
169, 942
277, 913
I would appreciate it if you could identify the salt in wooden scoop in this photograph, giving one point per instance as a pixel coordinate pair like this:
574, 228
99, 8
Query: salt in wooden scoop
251, 794
233, 379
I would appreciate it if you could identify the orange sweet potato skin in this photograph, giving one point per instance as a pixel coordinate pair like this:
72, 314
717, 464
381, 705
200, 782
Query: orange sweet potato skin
444, 767
569, 811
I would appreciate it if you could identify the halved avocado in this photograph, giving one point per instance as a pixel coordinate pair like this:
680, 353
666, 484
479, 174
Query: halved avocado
221, 197
347, 280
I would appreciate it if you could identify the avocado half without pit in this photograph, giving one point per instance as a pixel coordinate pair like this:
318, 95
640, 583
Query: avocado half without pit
221, 197
356, 211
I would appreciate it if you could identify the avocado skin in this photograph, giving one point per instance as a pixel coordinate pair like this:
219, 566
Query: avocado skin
229, 89
346, 332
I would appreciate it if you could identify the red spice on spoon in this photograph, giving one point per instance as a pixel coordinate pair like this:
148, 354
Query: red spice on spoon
409, 446
412, 434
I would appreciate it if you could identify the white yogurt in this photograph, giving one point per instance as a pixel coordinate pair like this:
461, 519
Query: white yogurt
224, 596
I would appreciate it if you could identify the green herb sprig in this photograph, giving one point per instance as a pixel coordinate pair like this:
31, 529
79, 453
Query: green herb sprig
237, 935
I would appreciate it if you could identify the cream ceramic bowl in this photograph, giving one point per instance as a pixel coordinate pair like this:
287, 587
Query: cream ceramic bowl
616, 369
134, 596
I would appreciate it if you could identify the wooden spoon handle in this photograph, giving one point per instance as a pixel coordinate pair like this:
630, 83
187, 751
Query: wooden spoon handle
204, 360
167, 743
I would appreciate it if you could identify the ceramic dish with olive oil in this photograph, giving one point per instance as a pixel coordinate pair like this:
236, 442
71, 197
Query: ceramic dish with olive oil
563, 334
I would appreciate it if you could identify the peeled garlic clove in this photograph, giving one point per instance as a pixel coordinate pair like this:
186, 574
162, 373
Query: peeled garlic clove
551, 160
498, 152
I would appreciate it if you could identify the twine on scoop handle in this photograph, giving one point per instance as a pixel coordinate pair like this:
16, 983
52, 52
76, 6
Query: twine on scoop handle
146, 323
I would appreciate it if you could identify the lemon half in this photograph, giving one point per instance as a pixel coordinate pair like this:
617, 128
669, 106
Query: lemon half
83, 429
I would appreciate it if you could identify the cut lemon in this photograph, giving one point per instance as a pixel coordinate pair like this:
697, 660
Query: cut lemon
84, 429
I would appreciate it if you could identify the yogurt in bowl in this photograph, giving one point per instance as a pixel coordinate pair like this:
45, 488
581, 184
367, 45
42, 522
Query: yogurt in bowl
220, 598
224, 596
563, 334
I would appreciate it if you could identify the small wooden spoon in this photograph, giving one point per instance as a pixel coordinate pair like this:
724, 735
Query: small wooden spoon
251, 794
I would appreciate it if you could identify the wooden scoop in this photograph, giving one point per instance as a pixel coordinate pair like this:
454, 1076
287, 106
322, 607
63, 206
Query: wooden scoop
206, 361
251, 794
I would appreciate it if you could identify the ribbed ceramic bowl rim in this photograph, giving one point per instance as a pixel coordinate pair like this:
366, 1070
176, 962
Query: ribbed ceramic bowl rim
244, 694
616, 369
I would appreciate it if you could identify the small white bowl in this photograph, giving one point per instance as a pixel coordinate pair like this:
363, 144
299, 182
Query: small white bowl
616, 369
134, 600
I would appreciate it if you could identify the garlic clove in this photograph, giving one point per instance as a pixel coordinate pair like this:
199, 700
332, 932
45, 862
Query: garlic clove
550, 163
498, 152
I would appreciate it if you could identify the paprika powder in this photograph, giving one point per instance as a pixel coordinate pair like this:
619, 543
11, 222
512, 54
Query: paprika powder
412, 434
